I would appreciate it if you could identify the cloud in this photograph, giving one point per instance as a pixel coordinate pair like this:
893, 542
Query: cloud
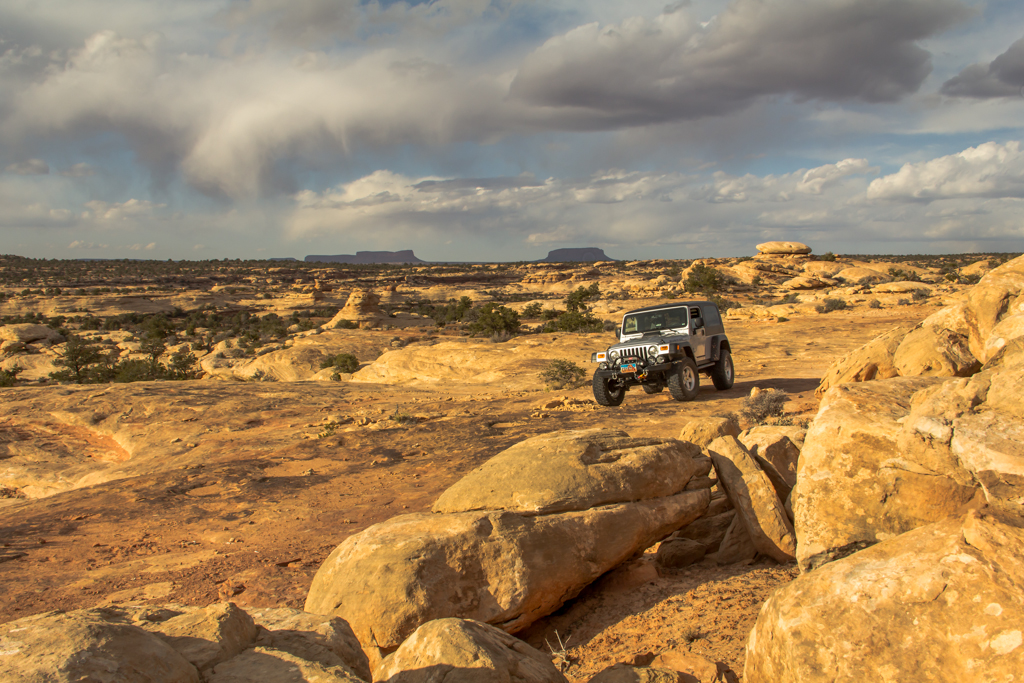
817, 179
79, 244
119, 211
991, 170
1002, 77
675, 68
80, 170
139, 247
29, 167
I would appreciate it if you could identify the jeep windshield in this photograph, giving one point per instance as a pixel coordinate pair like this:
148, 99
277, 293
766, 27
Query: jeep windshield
655, 321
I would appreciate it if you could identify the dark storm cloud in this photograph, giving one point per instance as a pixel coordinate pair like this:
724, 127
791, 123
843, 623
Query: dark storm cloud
1002, 77
675, 68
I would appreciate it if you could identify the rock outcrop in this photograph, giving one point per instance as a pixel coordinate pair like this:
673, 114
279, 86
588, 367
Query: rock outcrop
362, 307
783, 248
940, 603
27, 333
466, 651
874, 360
703, 431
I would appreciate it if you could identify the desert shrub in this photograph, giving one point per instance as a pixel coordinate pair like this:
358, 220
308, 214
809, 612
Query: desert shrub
533, 310
260, 376
183, 365
499, 337
704, 279
920, 294
574, 321
76, 359
904, 275
764, 407
343, 362
574, 303
346, 325
8, 378
791, 298
903, 302
827, 256
609, 325
138, 371
874, 303
401, 417
829, 305
563, 374
722, 303
757, 281
494, 319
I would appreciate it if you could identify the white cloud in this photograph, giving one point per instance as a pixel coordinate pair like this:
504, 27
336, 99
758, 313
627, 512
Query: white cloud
29, 167
991, 170
817, 179
80, 170
120, 211
140, 247
80, 244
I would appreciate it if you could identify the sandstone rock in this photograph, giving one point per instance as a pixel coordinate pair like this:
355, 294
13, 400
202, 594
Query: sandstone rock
1006, 330
874, 360
703, 431
759, 508
267, 665
930, 350
363, 307
902, 287
856, 486
719, 503
782, 487
778, 445
88, 645
625, 673
574, 470
823, 268
676, 553
33, 366
466, 651
699, 669
783, 248
313, 637
862, 276
940, 603
708, 531
498, 567
208, 636
807, 283
8, 348
736, 545
26, 333
999, 294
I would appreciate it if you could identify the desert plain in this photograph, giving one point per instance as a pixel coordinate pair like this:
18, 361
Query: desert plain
237, 484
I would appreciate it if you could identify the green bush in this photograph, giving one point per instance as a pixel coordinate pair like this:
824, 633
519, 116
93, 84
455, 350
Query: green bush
874, 303
574, 303
494, 319
533, 310
704, 279
829, 305
346, 325
921, 294
563, 374
343, 362
8, 378
827, 256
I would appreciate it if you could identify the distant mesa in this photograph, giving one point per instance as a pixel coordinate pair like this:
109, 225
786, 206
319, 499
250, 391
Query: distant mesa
368, 257
576, 254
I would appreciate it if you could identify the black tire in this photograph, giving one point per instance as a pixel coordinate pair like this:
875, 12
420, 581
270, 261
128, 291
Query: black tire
605, 394
724, 373
683, 380
653, 388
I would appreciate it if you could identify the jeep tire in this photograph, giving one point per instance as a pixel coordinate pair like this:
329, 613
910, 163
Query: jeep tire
683, 380
724, 373
605, 394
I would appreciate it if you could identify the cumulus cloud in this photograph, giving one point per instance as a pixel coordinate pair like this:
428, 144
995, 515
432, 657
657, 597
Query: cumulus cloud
139, 247
674, 67
1002, 77
991, 170
817, 179
29, 167
80, 244
119, 211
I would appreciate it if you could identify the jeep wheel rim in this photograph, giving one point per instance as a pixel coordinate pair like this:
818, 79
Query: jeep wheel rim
688, 378
728, 368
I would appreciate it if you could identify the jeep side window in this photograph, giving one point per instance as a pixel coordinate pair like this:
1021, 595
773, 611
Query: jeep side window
695, 316
630, 326
711, 315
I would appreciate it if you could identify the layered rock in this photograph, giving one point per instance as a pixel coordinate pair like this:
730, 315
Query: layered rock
362, 307
27, 333
703, 431
574, 470
781, 247
874, 360
779, 445
466, 651
942, 603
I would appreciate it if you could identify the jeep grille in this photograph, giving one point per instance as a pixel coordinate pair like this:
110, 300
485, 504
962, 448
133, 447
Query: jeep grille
633, 351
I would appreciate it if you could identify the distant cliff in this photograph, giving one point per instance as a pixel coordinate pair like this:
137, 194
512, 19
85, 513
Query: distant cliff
576, 254
366, 257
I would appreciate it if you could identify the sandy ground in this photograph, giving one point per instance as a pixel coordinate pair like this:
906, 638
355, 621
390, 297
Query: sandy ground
249, 496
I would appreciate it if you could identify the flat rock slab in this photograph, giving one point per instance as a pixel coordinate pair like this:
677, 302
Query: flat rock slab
780, 247
574, 470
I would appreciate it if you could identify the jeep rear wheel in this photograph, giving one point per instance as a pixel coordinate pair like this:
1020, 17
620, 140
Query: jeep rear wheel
724, 373
683, 382
607, 391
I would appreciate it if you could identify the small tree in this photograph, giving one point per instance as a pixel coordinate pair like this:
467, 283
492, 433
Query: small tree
704, 279
574, 303
494, 319
8, 378
343, 362
76, 358
562, 374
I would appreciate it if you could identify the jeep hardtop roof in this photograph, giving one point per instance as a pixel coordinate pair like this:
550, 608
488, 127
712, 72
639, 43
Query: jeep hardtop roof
675, 304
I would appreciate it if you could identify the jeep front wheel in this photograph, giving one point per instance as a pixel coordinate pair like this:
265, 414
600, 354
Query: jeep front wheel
608, 392
683, 382
723, 374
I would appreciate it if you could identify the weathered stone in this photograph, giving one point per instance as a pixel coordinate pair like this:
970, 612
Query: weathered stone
313, 637
88, 645
856, 486
803, 283
736, 545
466, 651
904, 287
676, 553
778, 445
940, 603
626, 673
208, 636
931, 350
874, 360
782, 487
708, 531
862, 276
759, 508
780, 247
823, 268
697, 668
499, 567
363, 307
704, 430
26, 333
267, 665
997, 295
574, 470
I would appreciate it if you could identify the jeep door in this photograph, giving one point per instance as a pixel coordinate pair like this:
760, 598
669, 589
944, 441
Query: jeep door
698, 335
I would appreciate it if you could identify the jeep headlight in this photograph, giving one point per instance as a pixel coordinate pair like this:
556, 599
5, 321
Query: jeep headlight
613, 354
652, 351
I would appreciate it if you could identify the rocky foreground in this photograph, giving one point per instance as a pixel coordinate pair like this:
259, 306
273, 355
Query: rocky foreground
893, 519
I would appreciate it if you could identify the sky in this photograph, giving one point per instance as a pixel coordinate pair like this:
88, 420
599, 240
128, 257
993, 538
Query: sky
498, 130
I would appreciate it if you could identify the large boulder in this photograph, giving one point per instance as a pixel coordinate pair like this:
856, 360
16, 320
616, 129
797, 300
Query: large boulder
780, 247
856, 486
626, 673
208, 636
466, 651
940, 603
574, 470
777, 444
874, 360
27, 333
313, 637
939, 347
861, 276
704, 430
267, 665
362, 307
498, 567
751, 492
996, 296
88, 645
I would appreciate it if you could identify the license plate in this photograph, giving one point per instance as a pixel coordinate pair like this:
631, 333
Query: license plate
629, 367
